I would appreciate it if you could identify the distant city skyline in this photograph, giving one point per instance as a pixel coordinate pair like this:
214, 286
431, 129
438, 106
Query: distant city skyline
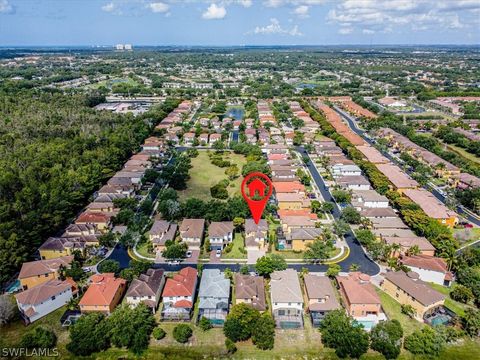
238, 22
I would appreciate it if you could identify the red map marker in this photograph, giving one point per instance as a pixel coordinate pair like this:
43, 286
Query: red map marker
259, 191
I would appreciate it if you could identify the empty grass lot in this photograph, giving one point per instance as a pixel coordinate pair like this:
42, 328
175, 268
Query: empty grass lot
203, 175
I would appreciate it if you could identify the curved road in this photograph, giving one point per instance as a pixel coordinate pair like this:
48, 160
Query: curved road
356, 256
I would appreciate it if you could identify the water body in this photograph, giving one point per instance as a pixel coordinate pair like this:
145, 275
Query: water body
236, 112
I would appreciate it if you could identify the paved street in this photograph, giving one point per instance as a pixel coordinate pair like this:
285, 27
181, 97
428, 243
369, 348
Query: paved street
353, 125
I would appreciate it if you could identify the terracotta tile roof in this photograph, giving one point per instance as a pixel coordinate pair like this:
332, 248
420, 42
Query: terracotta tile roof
288, 186
396, 176
425, 262
93, 217
182, 284
102, 289
429, 204
358, 289
183, 304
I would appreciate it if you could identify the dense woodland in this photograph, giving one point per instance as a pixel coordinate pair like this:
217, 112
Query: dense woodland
54, 152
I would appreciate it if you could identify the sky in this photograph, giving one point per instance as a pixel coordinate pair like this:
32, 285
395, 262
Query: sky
238, 22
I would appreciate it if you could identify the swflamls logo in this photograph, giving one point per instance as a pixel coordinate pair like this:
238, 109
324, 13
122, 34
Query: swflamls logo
15, 352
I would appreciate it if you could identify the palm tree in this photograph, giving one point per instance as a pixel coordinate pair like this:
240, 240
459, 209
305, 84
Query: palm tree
392, 263
414, 250
354, 267
395, 248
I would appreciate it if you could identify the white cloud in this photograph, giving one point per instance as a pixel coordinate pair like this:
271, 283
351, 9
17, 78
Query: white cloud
245, 3
301, 11
368, 31
108, 7
274, 3
384, 15
6, 7
214, 12
345, 30
158, 7
275, 28
279, 3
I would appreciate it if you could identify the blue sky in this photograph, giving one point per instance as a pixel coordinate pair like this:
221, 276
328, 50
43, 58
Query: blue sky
238, 22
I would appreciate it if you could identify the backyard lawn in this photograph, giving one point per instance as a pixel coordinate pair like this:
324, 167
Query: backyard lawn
203, 175
238, 245
393, 311
457, 307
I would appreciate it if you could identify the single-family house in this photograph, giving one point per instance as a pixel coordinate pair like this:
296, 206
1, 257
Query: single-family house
250, 290
146, 289
429, 268
214, 296
321, 297
406, 243
103, 294
38, 301
256, 235
368, 199
34, 273
287, 299
408, 289
298, 238
191, 232
161, 232
353, 182
178, 295
220, 233
360, 299
345, 170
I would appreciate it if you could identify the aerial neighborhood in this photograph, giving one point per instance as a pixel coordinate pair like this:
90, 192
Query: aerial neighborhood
369, 234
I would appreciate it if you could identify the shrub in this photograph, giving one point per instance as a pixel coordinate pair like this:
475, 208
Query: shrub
204, 324
39, 338
158, 333
230, 345
462, 294
182, 333
263, 334
425, 341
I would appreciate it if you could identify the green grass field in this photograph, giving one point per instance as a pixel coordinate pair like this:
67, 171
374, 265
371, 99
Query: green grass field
289, 344
463, 153
203, 175
394, 311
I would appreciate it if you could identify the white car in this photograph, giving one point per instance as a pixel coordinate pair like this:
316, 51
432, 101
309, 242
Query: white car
189, 254
218, 253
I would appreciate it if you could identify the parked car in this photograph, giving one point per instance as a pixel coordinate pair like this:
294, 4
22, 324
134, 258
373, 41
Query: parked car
189, 254
218, 253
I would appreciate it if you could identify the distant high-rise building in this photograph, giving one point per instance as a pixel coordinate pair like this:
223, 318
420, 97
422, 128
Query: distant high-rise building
119, 47
128, 47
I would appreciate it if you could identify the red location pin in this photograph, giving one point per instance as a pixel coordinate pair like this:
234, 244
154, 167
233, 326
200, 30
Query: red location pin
259, 191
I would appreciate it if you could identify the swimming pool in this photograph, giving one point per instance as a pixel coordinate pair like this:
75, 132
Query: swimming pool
367, 324
440, 320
